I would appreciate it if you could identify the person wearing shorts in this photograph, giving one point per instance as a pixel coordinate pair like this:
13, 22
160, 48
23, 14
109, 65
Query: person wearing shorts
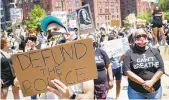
7, 74
117, 73
158, 21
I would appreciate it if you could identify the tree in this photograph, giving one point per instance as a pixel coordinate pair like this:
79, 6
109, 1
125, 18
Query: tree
35, 17
166, 15
164, 4
145, 16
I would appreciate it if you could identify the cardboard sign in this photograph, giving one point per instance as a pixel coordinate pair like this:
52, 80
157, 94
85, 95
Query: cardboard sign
115, 23
85, 20
115, 47
71, 63
61, 15
16, 14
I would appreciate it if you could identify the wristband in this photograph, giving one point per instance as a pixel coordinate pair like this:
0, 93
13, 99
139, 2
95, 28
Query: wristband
73, 96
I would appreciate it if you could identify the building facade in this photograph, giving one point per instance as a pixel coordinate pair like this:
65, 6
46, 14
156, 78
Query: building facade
133, 6
51, 5
104, 11
5, 6
27, 5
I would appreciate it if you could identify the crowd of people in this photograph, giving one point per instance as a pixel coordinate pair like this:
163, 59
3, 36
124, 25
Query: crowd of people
142, 64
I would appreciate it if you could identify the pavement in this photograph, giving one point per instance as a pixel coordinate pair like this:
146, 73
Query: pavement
123, 93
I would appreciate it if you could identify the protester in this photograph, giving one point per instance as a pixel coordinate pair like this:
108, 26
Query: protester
32, 33
23, 44
101, 84
158, 21
42, 40
7, 74
117, 69
85, 90
144, 67
31, 43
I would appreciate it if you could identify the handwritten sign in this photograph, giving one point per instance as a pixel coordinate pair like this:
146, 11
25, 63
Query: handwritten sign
70, 63
61, 15
16, 14
115, 47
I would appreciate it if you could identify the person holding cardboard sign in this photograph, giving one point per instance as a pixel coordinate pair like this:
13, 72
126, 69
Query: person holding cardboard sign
56, 30
7, 74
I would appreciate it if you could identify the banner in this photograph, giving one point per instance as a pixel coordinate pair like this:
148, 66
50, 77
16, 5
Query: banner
115, 47
61, 15
67, 62
16, 14
85, 20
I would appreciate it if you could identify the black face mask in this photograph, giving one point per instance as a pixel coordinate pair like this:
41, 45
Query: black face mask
95, 44
140, 48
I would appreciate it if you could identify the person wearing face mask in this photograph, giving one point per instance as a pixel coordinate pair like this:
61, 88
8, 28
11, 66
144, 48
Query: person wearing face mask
158, 21
56, 31
104, 81
144, 67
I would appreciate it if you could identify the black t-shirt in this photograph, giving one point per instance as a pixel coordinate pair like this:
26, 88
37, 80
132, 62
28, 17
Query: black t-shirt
157, 19
144, 64
101, 59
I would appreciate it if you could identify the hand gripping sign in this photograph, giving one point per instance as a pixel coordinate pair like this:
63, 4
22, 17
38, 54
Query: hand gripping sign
71, 63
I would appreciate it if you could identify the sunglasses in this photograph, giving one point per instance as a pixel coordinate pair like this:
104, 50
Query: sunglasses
141, 35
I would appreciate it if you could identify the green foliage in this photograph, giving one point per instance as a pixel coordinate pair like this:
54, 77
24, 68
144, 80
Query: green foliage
35, 17
9, 27
145, 16
164, 4
126, 22
166, 15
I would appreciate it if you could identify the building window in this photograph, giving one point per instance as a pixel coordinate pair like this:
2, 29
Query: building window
106, 10
112, 3
117, 16
97, 24
112, 10
117, 10
100, 10
57, 4
108, 17
105, 17
128, 11
113, 16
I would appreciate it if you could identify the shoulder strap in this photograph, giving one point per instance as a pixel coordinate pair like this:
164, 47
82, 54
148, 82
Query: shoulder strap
102, 55
152, 51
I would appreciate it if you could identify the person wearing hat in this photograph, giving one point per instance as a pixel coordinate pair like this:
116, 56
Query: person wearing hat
56, 30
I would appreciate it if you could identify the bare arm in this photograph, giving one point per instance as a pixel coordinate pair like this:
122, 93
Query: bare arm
109, 71
88, 90
134, 77
150, 7
157, 76
163, 18
62, 91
